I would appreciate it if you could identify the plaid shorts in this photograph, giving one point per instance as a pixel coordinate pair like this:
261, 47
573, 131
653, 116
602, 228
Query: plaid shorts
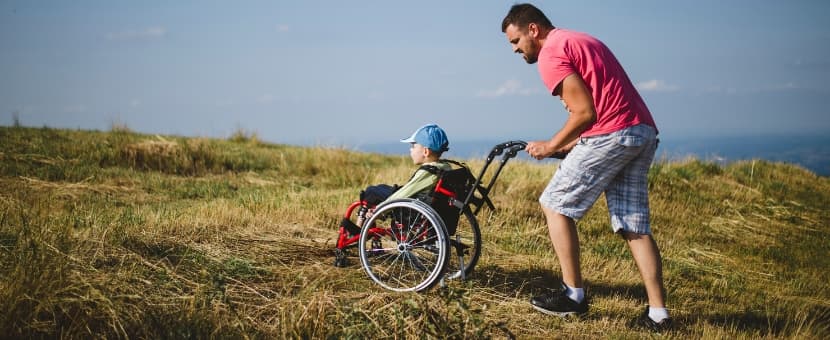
615, 163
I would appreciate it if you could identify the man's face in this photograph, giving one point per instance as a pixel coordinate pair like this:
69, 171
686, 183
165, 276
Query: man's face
523, 41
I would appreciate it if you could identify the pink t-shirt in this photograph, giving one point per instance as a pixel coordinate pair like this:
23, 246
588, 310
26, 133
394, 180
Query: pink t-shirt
618, 104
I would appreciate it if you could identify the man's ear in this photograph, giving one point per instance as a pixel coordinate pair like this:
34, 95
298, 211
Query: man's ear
533, 30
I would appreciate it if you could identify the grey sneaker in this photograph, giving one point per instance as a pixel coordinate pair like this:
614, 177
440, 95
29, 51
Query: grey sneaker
643, 321
559, 304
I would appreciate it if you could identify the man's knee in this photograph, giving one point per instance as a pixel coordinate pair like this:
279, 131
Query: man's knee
553, 214
632, 236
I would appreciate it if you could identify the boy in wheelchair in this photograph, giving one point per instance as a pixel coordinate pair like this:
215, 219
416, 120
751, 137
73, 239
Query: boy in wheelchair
427, 144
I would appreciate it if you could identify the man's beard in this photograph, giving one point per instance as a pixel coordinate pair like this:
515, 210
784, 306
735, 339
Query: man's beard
532, 55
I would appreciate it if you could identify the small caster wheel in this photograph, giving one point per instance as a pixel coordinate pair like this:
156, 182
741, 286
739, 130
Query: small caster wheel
340, 259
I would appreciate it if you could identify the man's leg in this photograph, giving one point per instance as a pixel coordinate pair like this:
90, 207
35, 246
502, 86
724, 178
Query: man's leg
578, 182
563, 235
570, 300
647, 257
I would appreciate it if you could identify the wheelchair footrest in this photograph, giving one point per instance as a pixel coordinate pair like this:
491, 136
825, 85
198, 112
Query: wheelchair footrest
350, 226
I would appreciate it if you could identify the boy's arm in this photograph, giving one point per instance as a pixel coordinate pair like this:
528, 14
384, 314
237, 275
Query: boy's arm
420, 181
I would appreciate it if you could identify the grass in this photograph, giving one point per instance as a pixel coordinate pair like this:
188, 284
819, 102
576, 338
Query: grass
123, 235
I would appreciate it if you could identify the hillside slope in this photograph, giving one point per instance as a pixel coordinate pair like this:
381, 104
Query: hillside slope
118, 234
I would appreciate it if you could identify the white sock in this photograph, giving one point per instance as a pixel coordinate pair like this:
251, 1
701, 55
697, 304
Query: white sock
576, 294
658, 314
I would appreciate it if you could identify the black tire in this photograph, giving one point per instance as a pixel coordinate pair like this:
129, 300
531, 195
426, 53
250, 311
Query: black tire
410, 250
470, 246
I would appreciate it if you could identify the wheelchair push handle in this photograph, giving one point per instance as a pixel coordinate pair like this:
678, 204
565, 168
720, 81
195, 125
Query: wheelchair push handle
511, 148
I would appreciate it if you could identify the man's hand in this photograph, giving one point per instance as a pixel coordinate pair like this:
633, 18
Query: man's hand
540, 149
543, 149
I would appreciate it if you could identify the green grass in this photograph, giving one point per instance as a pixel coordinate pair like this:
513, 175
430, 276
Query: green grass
124, 235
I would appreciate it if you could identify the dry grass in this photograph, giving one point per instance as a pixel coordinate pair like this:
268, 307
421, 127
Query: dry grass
121, 235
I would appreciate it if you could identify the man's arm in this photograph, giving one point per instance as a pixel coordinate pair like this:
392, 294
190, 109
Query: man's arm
580, 105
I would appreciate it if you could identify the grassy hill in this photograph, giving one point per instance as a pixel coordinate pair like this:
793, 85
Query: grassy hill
123, 235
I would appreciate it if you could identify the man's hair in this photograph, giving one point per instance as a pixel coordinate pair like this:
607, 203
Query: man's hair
522, 15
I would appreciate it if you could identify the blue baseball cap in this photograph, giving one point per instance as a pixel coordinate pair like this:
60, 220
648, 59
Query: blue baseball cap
431, 136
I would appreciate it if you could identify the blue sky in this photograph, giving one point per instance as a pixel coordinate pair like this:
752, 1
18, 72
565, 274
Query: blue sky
349, 73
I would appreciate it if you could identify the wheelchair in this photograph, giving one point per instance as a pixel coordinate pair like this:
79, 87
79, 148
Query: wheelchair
411, 244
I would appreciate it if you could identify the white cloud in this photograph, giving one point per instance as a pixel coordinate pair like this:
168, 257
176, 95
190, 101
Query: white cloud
656, 85
282, 28
510, 87
152, 32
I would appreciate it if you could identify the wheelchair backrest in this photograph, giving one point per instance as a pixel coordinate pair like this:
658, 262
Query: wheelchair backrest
452, 184
456, 182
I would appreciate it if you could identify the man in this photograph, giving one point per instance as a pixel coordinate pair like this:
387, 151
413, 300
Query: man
610, 138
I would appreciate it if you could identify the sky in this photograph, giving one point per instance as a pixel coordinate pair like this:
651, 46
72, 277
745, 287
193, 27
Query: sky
350, 73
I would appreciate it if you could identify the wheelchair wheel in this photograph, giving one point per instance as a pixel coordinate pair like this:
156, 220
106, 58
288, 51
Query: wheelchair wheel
404, 246
469, 246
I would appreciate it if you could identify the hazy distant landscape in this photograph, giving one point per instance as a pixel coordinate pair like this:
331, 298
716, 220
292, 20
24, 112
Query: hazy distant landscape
811, 152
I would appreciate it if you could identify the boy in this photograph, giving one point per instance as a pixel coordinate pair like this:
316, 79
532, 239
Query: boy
426, 145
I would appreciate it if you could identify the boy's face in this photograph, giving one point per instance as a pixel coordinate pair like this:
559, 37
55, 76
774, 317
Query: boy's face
418, 153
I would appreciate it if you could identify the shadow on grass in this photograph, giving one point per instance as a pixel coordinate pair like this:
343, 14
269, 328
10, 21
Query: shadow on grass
813, 321
748, 321
524, 283
534, 281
